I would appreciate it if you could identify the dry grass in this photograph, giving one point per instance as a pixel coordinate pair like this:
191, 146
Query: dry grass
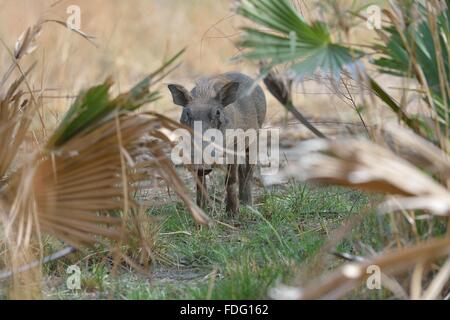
133, 38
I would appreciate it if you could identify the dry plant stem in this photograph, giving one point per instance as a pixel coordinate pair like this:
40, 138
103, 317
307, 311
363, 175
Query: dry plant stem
126, 206
400, 112
289, 106
443, 81
212, 282
392, 285
55, 256
27, 283
395, 230
416, 281
350, 97
438, 283
355, 107
282, 91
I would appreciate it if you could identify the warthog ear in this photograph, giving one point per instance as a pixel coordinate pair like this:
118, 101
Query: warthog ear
228, 93
180, 95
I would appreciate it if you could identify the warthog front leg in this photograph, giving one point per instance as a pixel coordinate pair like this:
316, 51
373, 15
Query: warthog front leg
202, 191
232, 201
245, 181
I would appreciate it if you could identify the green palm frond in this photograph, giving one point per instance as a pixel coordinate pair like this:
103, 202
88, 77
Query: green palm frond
94, 106
420, 46
287, 37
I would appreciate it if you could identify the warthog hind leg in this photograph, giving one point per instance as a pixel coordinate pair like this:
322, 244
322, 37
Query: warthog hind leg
202, 191
245, 181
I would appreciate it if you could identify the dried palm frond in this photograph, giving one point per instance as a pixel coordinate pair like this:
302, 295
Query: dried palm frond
367, 166
371, 167
69, 189
80, 186
339, 282
418, 151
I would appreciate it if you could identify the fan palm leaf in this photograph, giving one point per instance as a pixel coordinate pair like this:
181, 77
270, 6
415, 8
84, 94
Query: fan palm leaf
287, 37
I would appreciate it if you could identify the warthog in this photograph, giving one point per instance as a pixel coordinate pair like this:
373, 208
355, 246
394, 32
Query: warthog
227, 101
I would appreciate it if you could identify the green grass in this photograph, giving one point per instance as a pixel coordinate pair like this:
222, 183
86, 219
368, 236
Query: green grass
268, 242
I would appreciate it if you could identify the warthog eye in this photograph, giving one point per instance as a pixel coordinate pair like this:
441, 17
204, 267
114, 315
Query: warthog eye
186, 116
219, 118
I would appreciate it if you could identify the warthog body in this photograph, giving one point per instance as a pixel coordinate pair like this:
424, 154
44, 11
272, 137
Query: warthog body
226, 101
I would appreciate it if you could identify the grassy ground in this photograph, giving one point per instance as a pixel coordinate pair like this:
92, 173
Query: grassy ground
265, 245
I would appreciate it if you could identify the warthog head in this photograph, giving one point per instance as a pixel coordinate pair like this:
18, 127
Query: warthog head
205, 105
